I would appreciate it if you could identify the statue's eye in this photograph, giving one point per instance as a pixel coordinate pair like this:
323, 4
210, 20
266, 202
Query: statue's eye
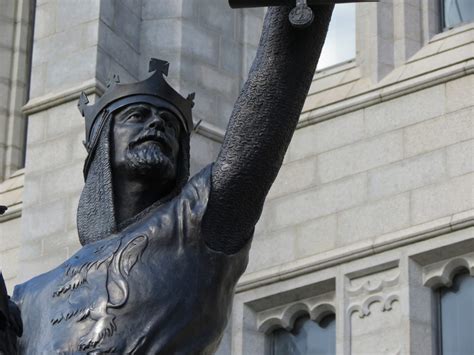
135, 116
170, 120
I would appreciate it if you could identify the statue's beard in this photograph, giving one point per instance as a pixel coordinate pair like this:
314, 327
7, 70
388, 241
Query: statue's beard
149, 160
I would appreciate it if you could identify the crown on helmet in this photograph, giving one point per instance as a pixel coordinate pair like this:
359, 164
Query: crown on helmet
149, 90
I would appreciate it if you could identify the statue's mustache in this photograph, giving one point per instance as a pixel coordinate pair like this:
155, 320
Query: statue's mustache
156, 136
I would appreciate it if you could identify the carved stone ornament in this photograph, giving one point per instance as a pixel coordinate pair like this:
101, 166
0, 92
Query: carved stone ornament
284, 317
442, 273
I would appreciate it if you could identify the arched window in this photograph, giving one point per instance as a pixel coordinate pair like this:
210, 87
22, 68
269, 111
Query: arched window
306, 338
457, 12
457, 316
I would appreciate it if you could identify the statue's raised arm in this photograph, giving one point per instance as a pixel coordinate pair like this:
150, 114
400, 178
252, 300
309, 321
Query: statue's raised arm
261, 126
151, 276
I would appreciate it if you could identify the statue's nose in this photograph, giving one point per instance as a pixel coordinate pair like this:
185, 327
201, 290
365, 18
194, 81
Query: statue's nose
156, 122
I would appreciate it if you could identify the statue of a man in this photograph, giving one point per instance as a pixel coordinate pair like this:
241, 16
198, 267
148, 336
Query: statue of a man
161, 255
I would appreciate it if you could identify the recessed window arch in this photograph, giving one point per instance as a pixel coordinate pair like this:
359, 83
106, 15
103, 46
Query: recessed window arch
456, 315
456, 12
307, 337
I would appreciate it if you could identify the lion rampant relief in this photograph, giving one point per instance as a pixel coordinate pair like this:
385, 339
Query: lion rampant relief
93, 287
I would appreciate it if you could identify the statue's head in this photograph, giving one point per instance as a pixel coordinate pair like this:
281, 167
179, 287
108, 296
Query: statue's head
139, 130
146, 142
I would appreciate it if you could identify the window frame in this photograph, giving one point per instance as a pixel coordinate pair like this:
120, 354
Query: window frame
439, 321
441, 274
19, 88
318, 320
442, 18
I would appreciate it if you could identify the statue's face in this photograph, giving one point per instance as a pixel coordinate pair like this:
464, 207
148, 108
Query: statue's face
146, 142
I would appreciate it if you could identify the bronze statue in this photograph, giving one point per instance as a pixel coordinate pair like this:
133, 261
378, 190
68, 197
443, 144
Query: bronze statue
161, 255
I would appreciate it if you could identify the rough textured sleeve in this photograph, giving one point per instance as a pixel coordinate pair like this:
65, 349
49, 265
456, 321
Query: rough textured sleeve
261, 126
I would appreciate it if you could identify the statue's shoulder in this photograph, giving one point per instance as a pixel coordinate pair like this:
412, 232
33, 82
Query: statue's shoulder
195, 193
18, 293
200, 183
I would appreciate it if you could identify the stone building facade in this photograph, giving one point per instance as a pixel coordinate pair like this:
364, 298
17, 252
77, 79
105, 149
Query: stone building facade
372, 214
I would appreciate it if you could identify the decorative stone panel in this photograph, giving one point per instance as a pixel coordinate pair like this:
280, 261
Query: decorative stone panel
375, 314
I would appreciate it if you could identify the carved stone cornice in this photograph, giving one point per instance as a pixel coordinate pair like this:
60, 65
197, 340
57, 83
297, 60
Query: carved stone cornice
357, 250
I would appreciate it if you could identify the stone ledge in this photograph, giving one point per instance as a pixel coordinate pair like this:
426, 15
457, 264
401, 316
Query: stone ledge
455, 62
11, 195
210, 131
386, 93
12, 213
357, 250
53, 99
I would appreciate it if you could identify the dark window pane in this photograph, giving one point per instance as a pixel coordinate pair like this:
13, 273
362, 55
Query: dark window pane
457, 316
306, 338
457, 12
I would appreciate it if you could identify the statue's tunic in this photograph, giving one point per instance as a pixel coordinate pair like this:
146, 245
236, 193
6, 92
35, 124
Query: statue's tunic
154, 288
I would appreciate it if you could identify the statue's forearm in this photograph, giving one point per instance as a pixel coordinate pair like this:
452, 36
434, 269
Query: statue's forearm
261, 126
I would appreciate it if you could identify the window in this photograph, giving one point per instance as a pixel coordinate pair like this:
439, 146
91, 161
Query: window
340, 41
16, 44
306, 338
457, 316
456, 12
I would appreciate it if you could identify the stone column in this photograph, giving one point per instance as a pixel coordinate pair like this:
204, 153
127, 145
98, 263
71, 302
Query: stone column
408, 34
375, 39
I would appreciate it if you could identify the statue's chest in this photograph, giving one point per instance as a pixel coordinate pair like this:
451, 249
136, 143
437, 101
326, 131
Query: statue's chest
96, 299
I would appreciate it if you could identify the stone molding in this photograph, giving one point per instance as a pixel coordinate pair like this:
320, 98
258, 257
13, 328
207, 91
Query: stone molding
210, 131
284, 317
389, 92
45, 102
11, 195
442, 273
366, 288
397, 83
357, 250
364, 307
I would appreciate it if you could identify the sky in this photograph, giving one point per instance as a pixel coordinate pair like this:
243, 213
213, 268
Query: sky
340, 41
